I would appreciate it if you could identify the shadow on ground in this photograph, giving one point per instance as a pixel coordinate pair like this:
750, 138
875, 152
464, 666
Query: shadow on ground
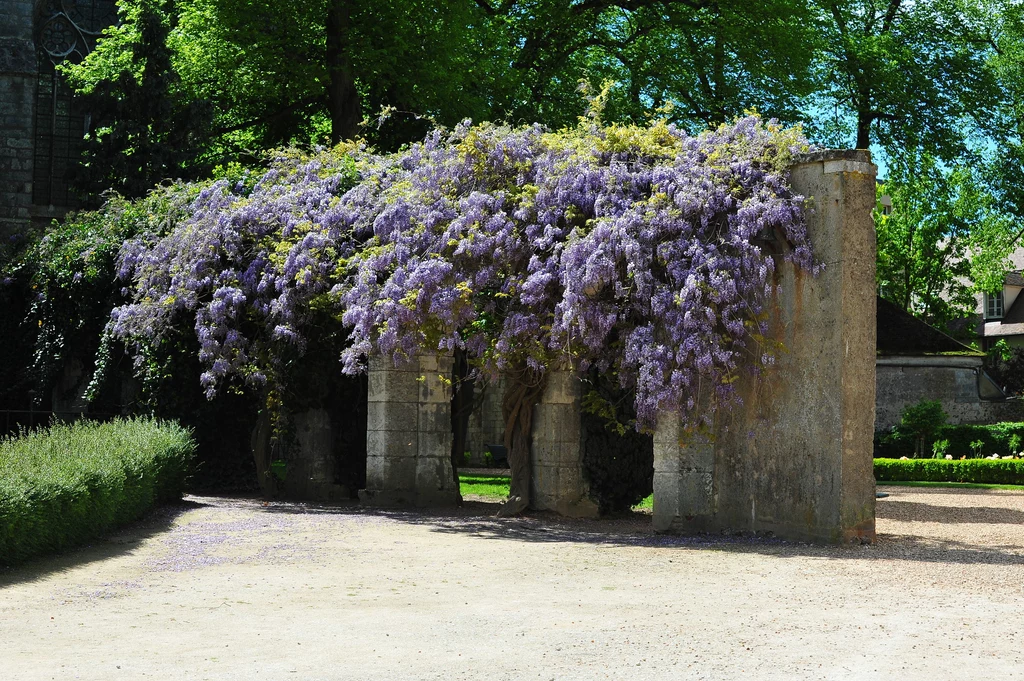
477, 519
916, 511
118, 543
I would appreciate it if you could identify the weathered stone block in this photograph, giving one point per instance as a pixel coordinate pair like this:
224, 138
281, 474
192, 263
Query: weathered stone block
392, 386
391, 474
383, 416
435, 388
435, 417
795, 458
409, 434
393, 443
435, 444
17, 54
435, 481
562, 387
556, 455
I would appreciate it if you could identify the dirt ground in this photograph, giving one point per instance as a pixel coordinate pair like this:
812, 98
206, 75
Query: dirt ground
218, 588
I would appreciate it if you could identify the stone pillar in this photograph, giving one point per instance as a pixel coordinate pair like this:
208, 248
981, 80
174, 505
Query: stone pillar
68, 396
409, 434
556, 455
795, 460
684, 473
486, 424
310, 473
17, 112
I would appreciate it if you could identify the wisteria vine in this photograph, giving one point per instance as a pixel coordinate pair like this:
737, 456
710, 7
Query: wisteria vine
247, 268
638, 250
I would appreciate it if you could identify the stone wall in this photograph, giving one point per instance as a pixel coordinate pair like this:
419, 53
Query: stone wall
409, 434
556, 454
310, 458
901, 382
796, 459
486, 425
17, 110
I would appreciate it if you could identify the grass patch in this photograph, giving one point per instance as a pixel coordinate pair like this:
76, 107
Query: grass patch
645, 504
496, 487
963, 485
65, 485
490, 486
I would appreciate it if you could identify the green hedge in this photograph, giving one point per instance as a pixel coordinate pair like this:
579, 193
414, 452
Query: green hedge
63, 486
996, 438
989, 471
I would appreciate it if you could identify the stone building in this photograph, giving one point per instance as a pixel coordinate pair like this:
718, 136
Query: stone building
915, 361
41, 125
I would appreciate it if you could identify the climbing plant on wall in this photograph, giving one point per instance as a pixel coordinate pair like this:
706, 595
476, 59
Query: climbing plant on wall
243, 278
635, 249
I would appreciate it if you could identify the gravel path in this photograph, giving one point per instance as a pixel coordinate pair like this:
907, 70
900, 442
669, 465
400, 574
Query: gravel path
218, 588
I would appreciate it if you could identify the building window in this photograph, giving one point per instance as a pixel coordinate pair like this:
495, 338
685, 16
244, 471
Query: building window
886, 204
994, 305
68, 30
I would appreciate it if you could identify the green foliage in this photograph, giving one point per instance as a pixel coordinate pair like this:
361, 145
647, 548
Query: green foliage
71, 286
945, 240
647, 503
904, 75
1006, 472
999, 353
997, 438
62, 486
147, 127
923, 420
1004, 153
181, 86
940, 448
1006, 367
73, 274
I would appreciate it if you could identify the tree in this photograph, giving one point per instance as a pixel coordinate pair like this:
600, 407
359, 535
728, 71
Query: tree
904, 75
224, 79
944, 240
923, 420
1004, 34
146, 127
211, 81
710, 59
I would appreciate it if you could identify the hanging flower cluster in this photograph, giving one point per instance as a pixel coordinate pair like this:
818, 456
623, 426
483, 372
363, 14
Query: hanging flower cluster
638, 250
246, 269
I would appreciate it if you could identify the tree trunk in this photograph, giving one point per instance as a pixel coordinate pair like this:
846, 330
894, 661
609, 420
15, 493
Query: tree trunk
462, 407
864, 121
261, 453
522, 392
342, 96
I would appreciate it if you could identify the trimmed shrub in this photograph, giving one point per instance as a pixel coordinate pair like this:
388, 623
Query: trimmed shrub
65, 485
995, 438
987, 471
